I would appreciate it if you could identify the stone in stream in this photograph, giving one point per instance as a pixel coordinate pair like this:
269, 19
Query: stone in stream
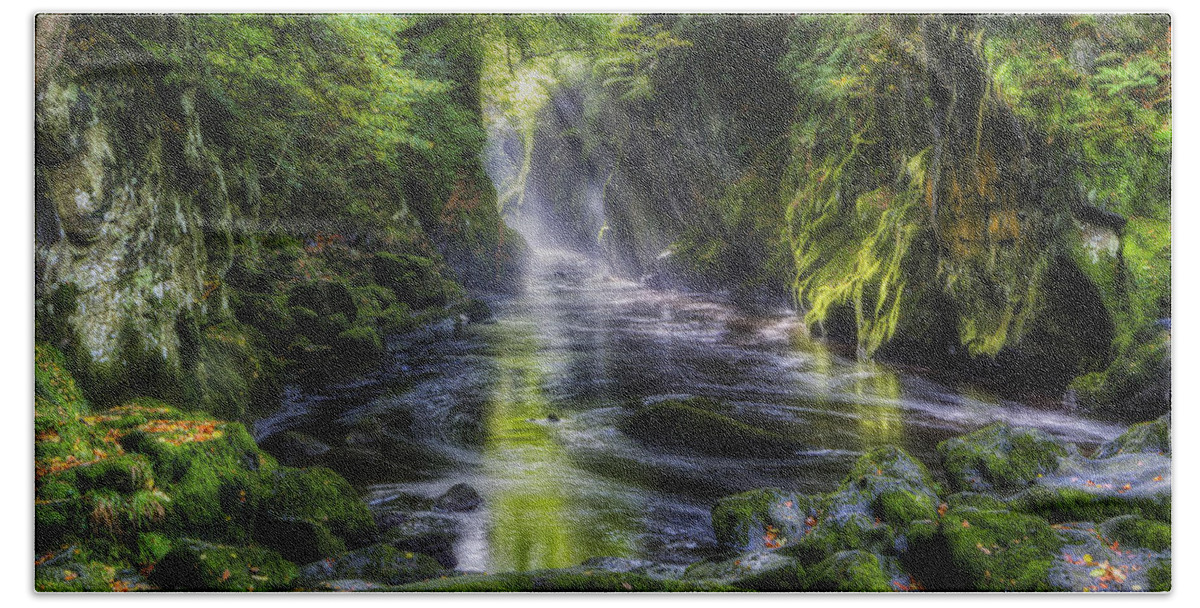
1125, 553
1001, 457
381, 563
459, 498
1147, 437
885, 492
757, 571
853, 570
696, 425
294, 448
194, 565
432, 534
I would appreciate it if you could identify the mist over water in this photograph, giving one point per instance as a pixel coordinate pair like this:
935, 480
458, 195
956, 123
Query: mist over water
528, 409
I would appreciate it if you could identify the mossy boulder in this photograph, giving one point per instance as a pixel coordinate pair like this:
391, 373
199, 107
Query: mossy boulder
299, 540
193, 565
325, 298
1001, 457
855, 571
890, 485
1094, 560
766, 518
758, 571
414, 279
1152, 437
1097, 489
379, 563
1135, 531
696, 425
999, 550
1160, 576
322, 496
67, 575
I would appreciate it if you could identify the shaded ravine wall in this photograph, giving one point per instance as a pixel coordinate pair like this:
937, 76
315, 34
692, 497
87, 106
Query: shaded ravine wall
912, 212
159, 272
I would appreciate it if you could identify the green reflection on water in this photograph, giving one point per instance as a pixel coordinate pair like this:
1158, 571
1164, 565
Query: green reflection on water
880, 421
876, 388
542, 512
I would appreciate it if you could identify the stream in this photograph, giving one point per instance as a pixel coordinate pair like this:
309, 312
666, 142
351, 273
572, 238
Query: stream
527, 410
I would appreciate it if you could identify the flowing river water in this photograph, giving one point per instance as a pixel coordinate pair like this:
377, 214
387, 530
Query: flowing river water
527, 409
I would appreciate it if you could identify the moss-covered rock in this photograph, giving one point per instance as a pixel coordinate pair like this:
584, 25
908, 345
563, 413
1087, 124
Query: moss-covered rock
380, 563
855, 571
1001, 457
758, 571
324, 497
193, 565
1097, 489
1160, 577
1135, 531
1152, 437
763, 519
1000, 550
74, 576
694, 425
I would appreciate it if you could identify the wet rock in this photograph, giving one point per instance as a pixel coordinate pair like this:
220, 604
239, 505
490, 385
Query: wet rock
766, 518
1134, 531
321, 496
1097, 489
294, 449
298, 540
651, 569
758, 571
693, 425
428, 533
1092, 561
459, 498
194, 565
579, 579
379, 563
855, 571
995, 549
1148, 437
1001, 457
70, 575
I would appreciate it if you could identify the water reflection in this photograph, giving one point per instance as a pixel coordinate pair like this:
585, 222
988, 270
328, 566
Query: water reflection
540, 516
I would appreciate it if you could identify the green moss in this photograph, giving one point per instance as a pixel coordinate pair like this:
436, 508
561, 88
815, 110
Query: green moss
377, 563
1134, 531
854, 571
193, 565
1159, 576
1001, 457
1061, 504
321, 495
151, 547
75, 576
904, 506
1000, 550
759, 571
1153, 437
126, 473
